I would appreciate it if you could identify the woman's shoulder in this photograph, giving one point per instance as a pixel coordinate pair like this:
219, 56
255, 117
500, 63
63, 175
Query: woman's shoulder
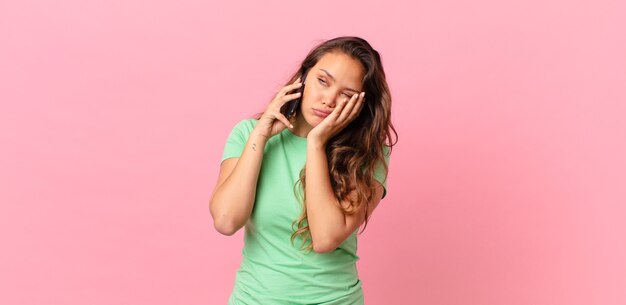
245, 125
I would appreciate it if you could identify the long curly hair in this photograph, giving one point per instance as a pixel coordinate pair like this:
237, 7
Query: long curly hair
359, 149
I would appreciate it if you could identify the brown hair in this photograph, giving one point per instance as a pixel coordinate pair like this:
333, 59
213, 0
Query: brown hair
358, 149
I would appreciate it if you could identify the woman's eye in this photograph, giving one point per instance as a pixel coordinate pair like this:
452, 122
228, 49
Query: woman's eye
347, 95
322, 81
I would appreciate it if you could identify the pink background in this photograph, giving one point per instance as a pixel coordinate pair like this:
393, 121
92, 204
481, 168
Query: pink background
508, 184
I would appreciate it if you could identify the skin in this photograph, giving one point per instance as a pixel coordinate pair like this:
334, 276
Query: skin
233, 197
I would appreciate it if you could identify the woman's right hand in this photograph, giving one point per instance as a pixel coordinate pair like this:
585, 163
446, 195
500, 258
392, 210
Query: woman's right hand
273, 121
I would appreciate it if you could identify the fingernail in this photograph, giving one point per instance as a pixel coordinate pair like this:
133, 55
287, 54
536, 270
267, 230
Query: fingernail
291, 126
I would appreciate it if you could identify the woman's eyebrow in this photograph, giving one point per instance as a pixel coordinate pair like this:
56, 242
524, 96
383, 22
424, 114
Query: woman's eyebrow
333, 78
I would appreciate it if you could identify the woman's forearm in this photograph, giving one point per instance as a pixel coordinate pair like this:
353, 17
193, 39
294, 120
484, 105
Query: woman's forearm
232, 202
324, 216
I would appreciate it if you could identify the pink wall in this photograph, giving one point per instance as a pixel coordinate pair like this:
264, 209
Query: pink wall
508, 185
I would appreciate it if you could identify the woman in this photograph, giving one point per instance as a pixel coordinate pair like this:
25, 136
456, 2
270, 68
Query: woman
305, 175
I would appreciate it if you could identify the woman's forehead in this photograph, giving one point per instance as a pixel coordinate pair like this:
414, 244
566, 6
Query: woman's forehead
340, 66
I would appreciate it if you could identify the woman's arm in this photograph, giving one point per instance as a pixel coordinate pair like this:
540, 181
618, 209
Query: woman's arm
327, 222
233, 197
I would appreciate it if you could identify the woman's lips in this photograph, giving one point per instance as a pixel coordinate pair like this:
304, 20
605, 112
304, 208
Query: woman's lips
320, 113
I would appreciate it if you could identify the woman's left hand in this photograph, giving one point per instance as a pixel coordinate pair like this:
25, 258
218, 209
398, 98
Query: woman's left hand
342, 115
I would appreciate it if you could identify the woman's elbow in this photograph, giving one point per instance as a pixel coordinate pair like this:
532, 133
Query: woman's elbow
223, 224
225, 228
324, 246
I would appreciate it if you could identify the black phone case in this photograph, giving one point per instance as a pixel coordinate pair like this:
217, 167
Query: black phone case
295, 104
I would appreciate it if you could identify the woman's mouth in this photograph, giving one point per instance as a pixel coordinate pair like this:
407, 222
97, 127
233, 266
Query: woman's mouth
320, 113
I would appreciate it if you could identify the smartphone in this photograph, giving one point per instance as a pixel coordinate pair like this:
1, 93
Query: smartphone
292, 106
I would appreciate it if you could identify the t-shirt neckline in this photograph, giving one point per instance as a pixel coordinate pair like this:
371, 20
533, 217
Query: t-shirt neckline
290, 134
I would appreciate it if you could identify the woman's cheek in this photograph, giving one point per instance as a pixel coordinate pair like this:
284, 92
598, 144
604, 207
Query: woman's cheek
310, 97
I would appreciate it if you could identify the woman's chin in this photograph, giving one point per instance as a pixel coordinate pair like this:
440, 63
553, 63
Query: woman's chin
313, 120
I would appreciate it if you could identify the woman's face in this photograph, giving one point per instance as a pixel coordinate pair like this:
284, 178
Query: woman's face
335, 77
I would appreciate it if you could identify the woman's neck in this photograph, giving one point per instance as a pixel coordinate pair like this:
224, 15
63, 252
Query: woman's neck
301, 127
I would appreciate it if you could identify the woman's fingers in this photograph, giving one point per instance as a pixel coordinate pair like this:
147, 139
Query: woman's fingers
358, 105
295, 85
286, 98
348, 107
273, 115
284, 120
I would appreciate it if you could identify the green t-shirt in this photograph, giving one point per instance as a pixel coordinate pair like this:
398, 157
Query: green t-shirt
273, 271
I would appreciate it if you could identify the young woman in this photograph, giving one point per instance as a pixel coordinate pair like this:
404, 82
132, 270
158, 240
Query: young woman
305, 175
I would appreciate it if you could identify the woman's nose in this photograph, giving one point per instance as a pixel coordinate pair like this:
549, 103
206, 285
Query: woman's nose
331, 100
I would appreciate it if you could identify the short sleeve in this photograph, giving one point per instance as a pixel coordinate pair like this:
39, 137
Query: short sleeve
380, 174
236, 141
